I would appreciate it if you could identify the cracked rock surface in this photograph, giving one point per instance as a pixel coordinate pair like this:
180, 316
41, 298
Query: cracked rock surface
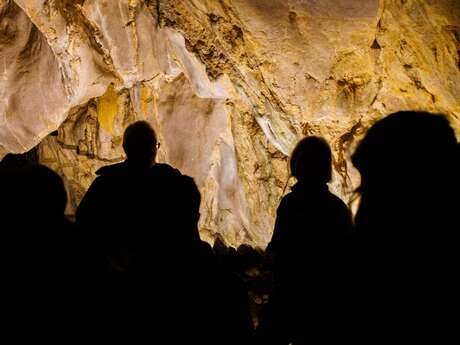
229, 85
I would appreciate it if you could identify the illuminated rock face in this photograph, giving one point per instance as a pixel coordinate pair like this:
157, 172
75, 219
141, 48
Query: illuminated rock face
229, 85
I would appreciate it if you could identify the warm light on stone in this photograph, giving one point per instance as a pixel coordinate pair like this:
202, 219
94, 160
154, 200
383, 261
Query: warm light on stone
230, 86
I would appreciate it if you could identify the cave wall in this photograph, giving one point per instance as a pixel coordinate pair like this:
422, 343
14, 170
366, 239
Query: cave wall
229, 85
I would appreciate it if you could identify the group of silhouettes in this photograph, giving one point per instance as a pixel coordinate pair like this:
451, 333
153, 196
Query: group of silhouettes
132, 268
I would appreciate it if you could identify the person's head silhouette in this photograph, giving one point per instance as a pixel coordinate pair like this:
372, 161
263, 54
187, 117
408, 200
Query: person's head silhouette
46, 194
407, 163
140, 144
311, 161
407, 148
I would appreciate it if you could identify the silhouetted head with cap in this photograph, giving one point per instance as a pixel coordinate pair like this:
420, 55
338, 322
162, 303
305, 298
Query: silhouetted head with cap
311, 161
140, 144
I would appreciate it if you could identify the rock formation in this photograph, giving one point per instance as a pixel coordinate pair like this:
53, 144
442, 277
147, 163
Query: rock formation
230, 86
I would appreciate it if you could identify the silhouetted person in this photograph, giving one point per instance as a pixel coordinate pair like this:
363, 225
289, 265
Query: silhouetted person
127, 217
13, 295
407, 226
126, 204
164, 284
310, 210
12, 170
43, 262
206, 304
308, 248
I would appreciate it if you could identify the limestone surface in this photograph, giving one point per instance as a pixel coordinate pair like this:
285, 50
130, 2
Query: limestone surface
229, 85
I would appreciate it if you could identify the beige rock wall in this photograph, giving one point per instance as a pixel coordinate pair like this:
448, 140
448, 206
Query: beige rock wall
230, 86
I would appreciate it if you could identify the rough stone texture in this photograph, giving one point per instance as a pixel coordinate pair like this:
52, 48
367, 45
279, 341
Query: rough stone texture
230, 86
